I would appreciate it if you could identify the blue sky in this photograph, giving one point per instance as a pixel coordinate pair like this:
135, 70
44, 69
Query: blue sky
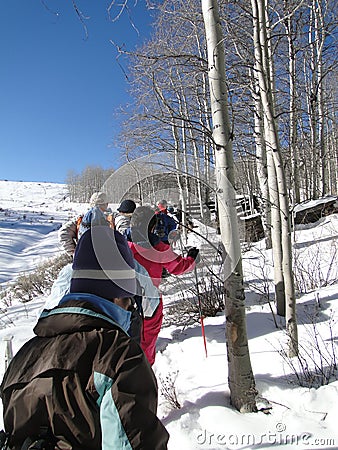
59, 91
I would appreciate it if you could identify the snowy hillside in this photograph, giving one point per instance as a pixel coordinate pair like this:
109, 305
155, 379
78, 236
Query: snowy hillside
301, 417
30, 215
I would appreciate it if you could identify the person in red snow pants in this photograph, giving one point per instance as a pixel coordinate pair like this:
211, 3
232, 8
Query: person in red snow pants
151, 329
154, 255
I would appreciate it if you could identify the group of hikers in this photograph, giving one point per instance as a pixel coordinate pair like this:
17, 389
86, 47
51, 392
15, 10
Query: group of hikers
85, 380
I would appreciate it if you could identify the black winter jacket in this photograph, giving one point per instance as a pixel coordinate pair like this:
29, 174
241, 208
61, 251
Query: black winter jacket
84, 378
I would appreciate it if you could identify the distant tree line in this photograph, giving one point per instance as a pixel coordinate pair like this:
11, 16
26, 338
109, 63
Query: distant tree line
81, 186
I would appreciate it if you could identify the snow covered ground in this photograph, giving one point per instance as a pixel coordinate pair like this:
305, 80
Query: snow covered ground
300, 418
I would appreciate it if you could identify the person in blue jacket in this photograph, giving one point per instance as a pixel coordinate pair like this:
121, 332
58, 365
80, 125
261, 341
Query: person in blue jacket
165, 223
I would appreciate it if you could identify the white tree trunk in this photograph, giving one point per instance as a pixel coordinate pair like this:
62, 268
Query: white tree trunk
241, 380
276, 235
293, 144
261, 157
272, 142
320, 36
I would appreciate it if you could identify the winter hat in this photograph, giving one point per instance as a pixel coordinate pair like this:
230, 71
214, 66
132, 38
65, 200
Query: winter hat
98, 198
103, 265
162, 205
127, 206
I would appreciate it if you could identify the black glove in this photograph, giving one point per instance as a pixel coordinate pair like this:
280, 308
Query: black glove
194, 253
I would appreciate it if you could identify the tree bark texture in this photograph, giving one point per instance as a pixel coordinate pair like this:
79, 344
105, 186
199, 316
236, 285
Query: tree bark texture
241, 379
259, 10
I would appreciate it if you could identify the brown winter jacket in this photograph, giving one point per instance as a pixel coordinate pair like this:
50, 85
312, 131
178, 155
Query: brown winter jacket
68, 235
83, 377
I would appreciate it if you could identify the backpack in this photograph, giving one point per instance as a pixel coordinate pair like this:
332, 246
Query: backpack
93, 217
161, 229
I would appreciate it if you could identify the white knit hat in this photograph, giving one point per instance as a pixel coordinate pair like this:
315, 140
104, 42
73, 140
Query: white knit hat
98, 198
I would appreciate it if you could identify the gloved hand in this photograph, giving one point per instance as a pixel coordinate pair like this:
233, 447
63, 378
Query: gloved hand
174, 236
194, 253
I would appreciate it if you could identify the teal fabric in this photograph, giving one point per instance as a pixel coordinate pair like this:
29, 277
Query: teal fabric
119, 315
102, 384
86, 312
113, 434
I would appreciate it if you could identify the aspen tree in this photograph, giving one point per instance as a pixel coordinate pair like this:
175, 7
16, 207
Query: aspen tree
241, 380
276, 174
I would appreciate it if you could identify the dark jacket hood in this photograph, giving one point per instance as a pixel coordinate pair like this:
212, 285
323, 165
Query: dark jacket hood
81, 312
